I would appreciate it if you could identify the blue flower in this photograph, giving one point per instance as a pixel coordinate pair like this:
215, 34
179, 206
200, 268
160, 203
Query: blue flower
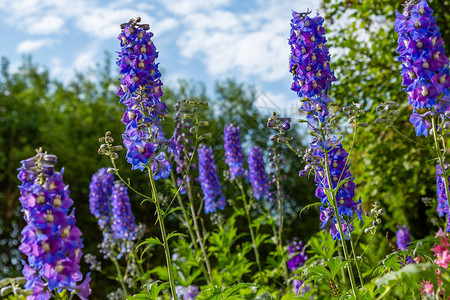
123, 226
258, 176
234, 157
161, 167
403, 237
209, 180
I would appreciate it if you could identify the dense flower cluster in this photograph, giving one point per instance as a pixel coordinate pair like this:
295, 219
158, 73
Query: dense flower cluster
258, 176
234, 157
51, 240
187, 292
123, 226
99, 198
425, 64
297, 258
209, 180
442, 255
140, 91
339, 172
442, 201
309, 64
403, 237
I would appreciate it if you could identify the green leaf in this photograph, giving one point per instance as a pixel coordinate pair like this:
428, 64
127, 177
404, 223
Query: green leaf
150, 242
309, 206
174, 234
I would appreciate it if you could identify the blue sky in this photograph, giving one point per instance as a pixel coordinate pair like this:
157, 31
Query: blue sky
203, 40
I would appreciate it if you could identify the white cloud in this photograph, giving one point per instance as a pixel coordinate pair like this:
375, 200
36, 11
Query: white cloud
28, 46
248, 44
45, 25
186, 7
85, 59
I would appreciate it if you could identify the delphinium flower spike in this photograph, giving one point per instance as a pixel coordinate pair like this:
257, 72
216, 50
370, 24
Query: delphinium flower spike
123, 226
209, 180
258, 176
234, 157
425, 64
313, 76
99, 199
140, 91
51, 240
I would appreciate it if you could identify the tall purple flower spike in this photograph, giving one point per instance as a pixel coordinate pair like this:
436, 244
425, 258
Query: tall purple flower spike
258, 176
123, 226
51, 240
140, 91
209, 180
425, 64
234, 157
297, 258
313, 76
309, 65
99, 198
403, 237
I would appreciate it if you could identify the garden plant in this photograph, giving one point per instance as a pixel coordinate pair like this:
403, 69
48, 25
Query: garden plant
216, 208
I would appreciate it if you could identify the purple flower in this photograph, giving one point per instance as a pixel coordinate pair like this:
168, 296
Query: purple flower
403, 237
296, 254
258, 176
140, 91
339, 171
234, 157
209, 180
309, 64
442, 201
161, 167
50, 240
425, 64
187, 292
123, 225
99, 198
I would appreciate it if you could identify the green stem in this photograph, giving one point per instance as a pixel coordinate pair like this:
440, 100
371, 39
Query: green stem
279, 236
197, 231
333, 202
164, 235
119, 274
247, 213
356, 263
441, 160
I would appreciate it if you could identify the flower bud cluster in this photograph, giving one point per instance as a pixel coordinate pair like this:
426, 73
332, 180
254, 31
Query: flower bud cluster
282, 125
140, 91
309, 65
442, 201
234, 157
51, 240
425, 63
258, 176
209, 180
339, 171
354, 112
375, 213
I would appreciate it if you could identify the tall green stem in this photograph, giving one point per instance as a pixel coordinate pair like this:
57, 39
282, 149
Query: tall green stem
333, 202
361, 280
279, 236
164, 235
197, 230
441, 160
119, 274
249, 219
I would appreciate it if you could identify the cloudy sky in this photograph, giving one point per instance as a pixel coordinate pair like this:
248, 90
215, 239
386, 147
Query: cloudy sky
204, 40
